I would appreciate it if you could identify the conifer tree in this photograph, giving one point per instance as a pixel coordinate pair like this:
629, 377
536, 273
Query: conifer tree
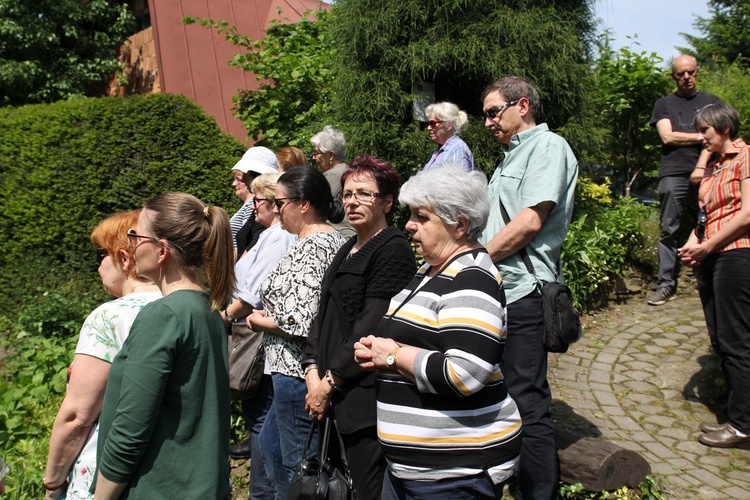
384, 47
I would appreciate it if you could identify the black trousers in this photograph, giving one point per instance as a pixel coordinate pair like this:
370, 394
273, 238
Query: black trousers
525, 370
366, 461
724, 287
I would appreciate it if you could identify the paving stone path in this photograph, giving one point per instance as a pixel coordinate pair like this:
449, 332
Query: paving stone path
644, 377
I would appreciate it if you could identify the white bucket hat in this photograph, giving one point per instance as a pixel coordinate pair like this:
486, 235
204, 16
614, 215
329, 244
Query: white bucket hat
257, 159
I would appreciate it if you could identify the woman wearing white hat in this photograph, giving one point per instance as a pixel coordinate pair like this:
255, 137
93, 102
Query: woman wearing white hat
256, 161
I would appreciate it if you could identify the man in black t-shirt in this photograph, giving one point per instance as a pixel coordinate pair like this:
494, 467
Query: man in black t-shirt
683, 161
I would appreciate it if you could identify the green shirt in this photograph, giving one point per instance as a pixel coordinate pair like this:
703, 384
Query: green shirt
164, 425
538, 166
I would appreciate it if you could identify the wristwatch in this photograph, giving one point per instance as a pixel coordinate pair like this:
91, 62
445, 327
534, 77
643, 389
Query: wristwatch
228, 316
390, 359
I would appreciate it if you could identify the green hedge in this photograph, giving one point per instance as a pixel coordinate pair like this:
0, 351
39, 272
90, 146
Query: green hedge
66, 166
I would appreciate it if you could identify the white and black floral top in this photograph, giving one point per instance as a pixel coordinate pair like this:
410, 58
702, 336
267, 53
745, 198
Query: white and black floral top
291, 294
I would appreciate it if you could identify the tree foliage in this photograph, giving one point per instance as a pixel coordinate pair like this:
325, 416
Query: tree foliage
292, 62
731, 84
384, 47
726, 34
627, 83
55, 49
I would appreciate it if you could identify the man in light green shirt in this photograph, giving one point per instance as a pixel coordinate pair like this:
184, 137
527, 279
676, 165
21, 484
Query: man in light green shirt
535, 182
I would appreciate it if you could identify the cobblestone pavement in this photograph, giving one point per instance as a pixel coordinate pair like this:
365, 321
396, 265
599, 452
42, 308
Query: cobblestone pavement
644, 377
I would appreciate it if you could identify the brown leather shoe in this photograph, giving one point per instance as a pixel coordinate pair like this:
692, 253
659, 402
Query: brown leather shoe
724, 438
706, 427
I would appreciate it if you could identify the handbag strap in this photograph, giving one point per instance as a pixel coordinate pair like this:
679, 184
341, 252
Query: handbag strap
328, 427
308, 442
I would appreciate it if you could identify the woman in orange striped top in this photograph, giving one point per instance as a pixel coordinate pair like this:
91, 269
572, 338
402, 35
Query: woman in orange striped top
719, 248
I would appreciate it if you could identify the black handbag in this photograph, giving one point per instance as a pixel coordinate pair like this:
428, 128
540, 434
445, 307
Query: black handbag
317, 478
562, 323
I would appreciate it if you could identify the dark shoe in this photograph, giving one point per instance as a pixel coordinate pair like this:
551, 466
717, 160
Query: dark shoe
240, 450
724, 438
661, 296
705, 427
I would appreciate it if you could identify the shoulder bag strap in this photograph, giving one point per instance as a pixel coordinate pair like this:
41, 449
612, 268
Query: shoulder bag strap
522, 252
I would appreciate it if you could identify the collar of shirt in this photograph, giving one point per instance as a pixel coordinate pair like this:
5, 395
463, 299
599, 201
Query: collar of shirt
734, 149
527, 134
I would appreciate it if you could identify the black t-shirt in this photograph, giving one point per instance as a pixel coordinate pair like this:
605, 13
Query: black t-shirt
680, 160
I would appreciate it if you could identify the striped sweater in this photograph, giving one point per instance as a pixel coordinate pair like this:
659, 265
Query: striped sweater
457, 419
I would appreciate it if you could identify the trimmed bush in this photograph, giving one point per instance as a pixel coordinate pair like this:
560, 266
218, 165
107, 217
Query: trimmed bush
66, 166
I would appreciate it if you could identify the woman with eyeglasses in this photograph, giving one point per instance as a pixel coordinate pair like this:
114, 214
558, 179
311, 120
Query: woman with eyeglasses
719, 249
71, 463
251, 269
290, 297
445, 123
446, 423
365, 273
165, 418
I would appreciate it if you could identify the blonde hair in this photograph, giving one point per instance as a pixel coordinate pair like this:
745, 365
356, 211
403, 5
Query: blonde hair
201, 237
111, 234
266, 184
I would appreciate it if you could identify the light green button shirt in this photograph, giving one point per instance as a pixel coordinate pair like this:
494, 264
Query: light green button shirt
538, 166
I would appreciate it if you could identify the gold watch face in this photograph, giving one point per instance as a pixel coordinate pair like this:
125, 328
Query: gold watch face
390, 360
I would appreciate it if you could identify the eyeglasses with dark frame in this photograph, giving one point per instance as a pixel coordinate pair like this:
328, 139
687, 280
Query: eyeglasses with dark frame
362, 196
492, 113
258, 200
279, 202
434, 123
101, 254
133, 238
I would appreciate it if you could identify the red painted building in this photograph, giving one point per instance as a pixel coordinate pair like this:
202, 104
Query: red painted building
168, 56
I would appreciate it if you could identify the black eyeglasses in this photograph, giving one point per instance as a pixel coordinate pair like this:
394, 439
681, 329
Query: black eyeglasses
492, 113
258, 200
279, 202
134, 238
101, 254
362, 196
700, 227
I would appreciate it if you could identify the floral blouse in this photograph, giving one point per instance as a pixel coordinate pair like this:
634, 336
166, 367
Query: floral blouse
291, 294
102, 336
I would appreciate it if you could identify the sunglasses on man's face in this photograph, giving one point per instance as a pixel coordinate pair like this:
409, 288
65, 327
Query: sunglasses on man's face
492, 113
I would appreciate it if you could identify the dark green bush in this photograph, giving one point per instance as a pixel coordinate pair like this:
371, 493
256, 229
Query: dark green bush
63, 168
66, 166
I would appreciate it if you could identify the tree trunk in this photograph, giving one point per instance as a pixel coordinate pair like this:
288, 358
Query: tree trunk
598, 464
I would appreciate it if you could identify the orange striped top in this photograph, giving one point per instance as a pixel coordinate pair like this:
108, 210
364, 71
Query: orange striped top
719, 192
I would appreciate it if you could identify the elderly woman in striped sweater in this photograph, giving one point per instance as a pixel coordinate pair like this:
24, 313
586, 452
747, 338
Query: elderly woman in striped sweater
445, 420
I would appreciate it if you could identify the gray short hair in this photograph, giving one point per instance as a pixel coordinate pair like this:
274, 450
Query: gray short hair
330, 140
449, 112
450, 193
723, 117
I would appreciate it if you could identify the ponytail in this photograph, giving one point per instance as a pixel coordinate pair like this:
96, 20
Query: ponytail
201, 240
218, 257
